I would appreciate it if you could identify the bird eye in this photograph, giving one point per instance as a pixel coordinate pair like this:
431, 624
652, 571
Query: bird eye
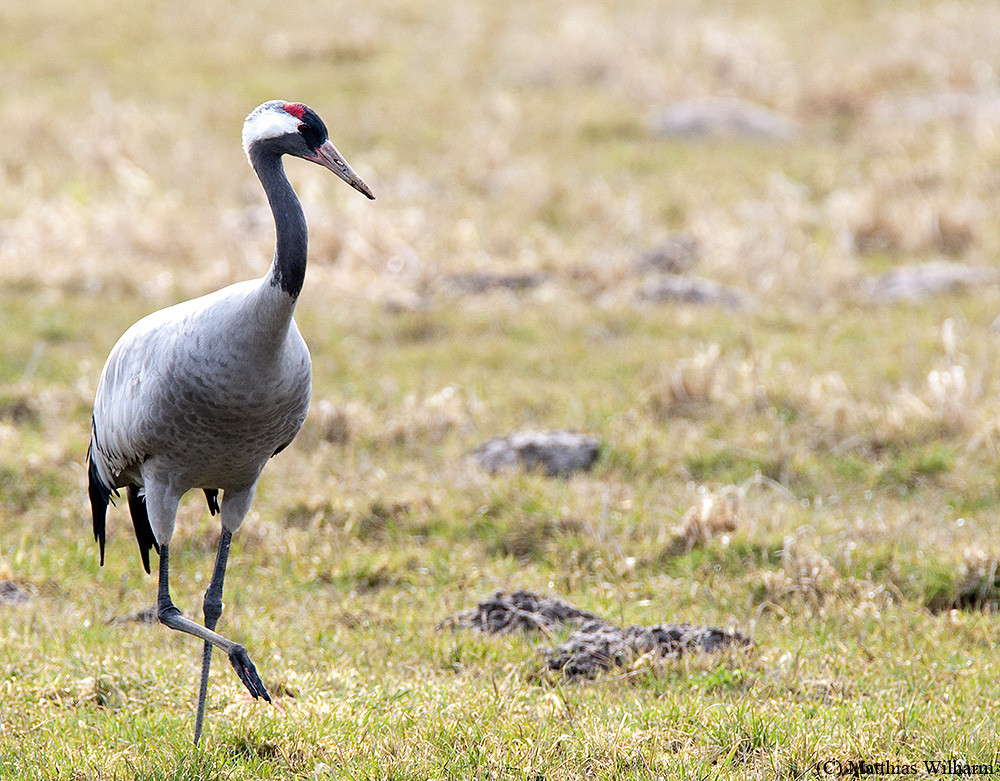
311, 135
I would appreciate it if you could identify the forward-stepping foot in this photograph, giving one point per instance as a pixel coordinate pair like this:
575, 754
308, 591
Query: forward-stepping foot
240, 660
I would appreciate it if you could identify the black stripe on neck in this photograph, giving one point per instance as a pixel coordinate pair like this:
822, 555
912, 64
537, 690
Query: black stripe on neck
288, 270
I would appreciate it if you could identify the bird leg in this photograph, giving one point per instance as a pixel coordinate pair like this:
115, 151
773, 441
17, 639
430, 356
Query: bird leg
171, 617
213, 609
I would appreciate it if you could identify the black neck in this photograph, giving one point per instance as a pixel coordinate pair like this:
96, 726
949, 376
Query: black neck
289, 268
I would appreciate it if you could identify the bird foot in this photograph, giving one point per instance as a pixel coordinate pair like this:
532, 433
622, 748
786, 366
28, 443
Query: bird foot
240, 660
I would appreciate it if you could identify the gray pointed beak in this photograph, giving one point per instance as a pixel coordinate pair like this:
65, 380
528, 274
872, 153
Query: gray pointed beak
328, 157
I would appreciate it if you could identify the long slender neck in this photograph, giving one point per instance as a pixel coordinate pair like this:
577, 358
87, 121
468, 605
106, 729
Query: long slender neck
288, 270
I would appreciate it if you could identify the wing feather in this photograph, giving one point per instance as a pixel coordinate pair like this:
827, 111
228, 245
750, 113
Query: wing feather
176, 400
120, 435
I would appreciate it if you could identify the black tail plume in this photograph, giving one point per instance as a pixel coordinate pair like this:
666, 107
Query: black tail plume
100, 495
140, 521
212, 497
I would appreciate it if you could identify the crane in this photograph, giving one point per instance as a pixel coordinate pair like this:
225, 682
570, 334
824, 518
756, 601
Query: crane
203, 393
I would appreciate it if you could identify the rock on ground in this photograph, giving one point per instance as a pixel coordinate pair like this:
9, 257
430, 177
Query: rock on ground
556, 453
596, 645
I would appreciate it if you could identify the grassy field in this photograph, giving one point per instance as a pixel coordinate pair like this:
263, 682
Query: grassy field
841, 451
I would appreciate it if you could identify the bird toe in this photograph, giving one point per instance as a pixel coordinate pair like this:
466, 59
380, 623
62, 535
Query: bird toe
247, 672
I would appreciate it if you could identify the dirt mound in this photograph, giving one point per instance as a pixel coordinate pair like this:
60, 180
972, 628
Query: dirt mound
596, 644
13, 593
556, 453
601, 646
674, 255
475, 282
712, 117
520, 611
698, 291
921, 281
146, 615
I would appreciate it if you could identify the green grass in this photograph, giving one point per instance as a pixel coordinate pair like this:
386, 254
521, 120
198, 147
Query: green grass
792, 471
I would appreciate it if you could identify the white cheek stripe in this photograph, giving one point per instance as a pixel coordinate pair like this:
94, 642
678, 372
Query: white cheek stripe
268, 123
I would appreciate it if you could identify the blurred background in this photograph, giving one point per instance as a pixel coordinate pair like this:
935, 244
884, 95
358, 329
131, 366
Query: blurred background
794, 147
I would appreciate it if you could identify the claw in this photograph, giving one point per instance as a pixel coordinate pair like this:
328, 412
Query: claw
240, 660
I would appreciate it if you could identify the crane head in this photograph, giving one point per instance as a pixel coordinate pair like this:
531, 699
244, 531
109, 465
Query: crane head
297, 130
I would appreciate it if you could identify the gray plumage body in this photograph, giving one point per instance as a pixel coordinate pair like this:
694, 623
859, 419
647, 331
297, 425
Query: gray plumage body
202, 394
